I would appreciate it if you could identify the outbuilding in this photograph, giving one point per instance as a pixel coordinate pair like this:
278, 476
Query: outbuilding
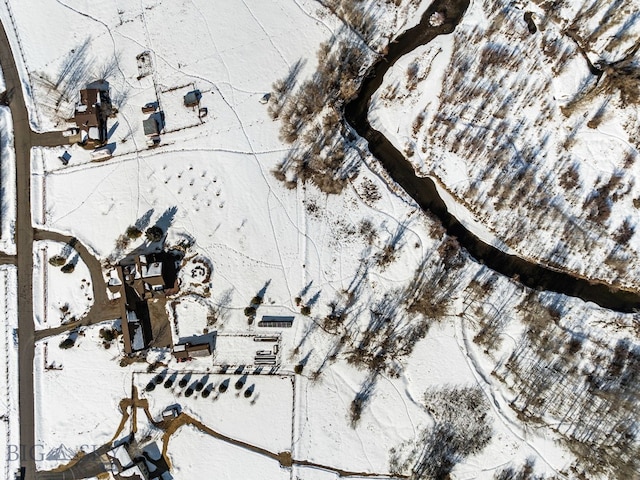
192, 98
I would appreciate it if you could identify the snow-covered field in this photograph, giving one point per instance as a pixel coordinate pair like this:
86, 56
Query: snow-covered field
364, 273
9, 406
7, 182
225, 461
59, 297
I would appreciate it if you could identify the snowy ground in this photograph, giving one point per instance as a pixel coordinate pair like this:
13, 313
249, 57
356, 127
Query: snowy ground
7, 182
209, 185
500, 155
396, 414
59, 297
9, 406
87, 382
263, 419
226, 461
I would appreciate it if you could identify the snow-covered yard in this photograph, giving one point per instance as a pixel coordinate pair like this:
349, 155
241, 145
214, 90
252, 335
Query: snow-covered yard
59, 297
78, 390
7, 182
9, 404
225, 461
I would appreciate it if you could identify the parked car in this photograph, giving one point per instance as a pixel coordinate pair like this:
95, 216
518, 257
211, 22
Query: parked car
70, 132
171, 412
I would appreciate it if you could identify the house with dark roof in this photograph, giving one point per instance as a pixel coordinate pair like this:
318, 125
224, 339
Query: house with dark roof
91, 113
192, 98
136, 281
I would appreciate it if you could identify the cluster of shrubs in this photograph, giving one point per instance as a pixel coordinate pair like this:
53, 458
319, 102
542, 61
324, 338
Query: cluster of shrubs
202, 385
311, 117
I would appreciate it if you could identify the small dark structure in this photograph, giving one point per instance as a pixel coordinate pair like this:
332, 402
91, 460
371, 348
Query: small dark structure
192, 98
184, 351
276, 321
151, 127
171, 412
65, 157
150, 107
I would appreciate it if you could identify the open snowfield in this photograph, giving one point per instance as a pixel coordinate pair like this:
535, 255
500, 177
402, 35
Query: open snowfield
386, 308
7, 182
9, 406
59, 297
225, 461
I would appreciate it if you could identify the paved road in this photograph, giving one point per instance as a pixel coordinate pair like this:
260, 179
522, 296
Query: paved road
23, 141
7, 259
24, 241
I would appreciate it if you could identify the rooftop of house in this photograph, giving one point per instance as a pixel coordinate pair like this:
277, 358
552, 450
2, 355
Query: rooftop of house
192, 98
89, 97
120, 458
150, 126
151, 270
136, 284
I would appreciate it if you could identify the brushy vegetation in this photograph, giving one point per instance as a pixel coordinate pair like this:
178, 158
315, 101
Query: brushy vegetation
57, 261
525, 472
396, 322
461, 429
508, 156
311, 114
590, 388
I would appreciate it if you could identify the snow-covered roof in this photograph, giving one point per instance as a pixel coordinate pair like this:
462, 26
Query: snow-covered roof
131, 316
120, 458
137, 343
133, 473
152, 270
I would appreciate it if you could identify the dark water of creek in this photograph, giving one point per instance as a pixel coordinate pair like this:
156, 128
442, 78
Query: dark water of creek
423, 190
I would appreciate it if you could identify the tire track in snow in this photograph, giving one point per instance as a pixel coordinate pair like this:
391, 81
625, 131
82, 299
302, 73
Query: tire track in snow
267, 34
494, 401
